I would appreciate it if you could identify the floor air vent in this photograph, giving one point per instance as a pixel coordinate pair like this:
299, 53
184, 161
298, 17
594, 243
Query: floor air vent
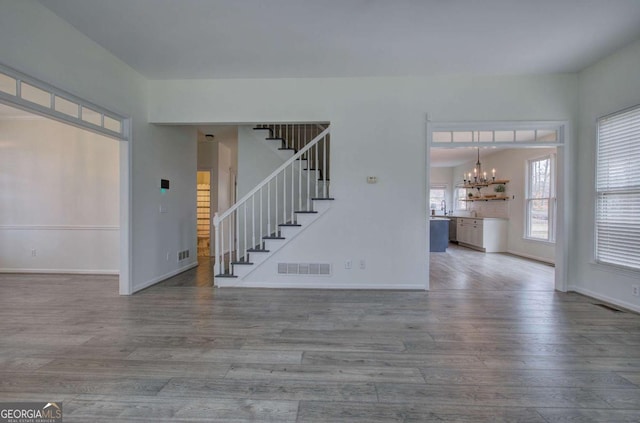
314, 269
608, 307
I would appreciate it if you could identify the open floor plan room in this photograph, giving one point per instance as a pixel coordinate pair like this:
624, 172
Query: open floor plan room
478, 350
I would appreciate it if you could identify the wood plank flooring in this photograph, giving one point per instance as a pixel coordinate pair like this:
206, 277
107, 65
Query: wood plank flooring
492, 342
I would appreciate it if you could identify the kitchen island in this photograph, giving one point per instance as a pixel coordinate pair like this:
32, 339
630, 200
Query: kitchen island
438, 234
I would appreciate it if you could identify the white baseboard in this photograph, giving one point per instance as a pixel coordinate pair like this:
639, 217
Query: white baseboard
532, 257
63, 271
154, 281
598, 296
236, 283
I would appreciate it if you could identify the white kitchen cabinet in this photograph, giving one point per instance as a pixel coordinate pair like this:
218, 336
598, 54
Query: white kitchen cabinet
484, 234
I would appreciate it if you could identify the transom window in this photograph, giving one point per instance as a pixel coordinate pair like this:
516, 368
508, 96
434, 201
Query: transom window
540, 209
517, 135
617, 226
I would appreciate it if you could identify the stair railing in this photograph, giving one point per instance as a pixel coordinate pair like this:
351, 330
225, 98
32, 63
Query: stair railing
241, 229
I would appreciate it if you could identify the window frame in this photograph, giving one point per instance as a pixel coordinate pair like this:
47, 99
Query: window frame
437, 186
551, 199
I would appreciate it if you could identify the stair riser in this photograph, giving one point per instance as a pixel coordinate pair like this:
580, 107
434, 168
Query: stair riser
321, 205
305, 218
289, 231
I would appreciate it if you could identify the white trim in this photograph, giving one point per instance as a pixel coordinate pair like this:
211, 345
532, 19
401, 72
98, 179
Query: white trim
564, 175
531, 257
155, 280
9, 118
57, 228
236, 282
49, 111
599, 296
125, 136
62, 271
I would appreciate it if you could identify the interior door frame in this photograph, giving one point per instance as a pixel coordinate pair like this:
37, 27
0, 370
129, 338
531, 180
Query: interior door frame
124, 136
564, 180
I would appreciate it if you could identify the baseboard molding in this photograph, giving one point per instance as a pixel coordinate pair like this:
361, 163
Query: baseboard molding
231, 282
154, 281
58, 228
601, 297
532, 257
63, 271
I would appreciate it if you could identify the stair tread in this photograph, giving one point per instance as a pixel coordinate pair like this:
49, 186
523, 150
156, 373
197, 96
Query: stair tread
275, 138
264, 129
305, 211
287, 148
242, 262
289, 224
273, 237
225, 275
257, 250
323, 198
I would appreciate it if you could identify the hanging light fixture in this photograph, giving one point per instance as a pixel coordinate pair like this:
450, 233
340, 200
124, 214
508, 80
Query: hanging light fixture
479, 177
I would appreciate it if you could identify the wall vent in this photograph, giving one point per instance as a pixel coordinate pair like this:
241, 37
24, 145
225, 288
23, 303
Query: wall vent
312, 269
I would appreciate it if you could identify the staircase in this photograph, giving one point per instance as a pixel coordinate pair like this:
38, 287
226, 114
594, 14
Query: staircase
280, 207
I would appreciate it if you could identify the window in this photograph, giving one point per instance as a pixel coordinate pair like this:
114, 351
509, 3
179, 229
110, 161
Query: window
460, 199
541, 201
617, 226
437, 194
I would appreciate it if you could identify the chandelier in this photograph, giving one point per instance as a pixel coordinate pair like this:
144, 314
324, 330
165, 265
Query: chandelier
479, 177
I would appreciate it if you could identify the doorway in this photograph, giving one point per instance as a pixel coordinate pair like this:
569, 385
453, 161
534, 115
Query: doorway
203, 212
502, 151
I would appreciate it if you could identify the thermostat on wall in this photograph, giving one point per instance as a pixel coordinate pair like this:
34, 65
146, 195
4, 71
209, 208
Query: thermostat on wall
372, 179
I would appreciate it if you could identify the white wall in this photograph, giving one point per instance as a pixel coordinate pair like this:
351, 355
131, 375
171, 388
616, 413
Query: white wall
256, 160
37, 42
60, 197
511, 164
378, 129
610, 85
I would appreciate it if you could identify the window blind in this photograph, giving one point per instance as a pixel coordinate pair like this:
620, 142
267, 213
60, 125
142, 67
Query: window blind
618, 189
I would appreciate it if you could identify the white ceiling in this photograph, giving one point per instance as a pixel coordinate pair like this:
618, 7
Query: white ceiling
165, 39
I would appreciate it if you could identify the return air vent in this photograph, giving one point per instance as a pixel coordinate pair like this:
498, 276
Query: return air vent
314, 269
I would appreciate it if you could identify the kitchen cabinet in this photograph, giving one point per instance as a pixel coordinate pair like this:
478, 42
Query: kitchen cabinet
484, 234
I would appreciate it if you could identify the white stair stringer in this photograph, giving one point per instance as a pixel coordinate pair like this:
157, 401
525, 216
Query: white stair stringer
305, 220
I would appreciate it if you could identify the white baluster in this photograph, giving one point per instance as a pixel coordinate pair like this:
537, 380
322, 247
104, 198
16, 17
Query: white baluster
230, 243
244, 235
237, 241
276, 208
216, 226
284, 196
315, 172
293, 187
268, 209
299, 181
324, 167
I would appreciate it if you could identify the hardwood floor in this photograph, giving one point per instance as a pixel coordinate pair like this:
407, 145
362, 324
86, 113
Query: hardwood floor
492, 342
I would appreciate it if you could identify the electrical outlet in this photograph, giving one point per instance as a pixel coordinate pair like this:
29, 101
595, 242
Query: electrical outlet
363, 264
348, 264
635, 289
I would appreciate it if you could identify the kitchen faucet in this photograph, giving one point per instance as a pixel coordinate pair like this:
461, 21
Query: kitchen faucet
443, 206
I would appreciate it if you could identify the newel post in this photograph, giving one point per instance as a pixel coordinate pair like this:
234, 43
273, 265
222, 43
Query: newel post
218, 256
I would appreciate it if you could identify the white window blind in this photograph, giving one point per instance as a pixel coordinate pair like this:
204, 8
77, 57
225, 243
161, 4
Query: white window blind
618, 189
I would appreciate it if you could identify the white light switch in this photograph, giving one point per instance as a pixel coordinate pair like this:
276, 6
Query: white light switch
372, 179
163, 209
